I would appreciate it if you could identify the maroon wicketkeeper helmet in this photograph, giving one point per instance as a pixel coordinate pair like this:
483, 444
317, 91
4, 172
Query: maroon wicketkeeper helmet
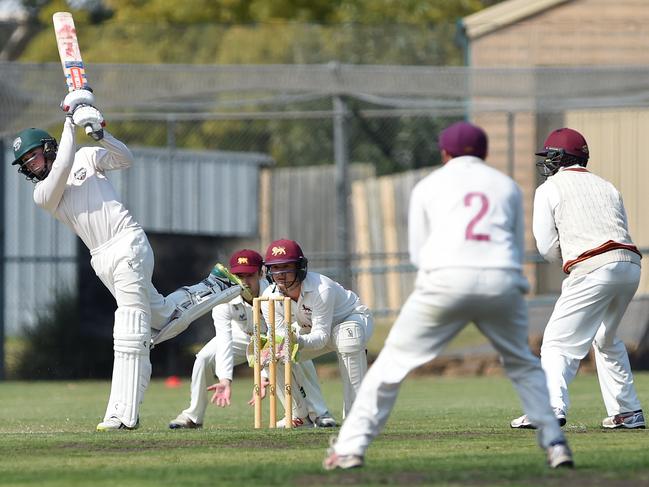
284, 251
563, 147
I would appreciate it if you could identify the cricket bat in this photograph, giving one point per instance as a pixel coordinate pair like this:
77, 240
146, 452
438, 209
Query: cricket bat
70, 54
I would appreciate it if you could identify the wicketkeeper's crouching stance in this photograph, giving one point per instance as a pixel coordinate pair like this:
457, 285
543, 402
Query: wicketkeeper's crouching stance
233, 324
328, 318
73, 187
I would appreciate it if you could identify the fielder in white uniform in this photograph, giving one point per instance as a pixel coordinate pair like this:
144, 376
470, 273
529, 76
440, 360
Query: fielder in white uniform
466, 239
73, 187
234, 329
327, 317
579, 218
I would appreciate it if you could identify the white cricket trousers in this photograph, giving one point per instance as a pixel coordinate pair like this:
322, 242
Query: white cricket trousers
443, 302
125, 266
589, 311
305, 379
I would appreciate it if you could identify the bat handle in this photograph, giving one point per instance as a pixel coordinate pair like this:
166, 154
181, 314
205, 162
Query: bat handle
98, 135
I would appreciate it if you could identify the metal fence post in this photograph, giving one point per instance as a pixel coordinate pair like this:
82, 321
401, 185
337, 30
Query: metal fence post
3, 260
510, 144
341, 158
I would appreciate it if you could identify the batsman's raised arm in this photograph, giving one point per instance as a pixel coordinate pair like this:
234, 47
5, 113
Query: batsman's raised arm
115, 156
49, 191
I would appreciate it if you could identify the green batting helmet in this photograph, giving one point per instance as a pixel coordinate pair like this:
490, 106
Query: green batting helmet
29, 139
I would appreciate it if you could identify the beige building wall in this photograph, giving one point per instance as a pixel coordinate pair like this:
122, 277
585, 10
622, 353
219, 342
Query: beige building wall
527, 33
573, 33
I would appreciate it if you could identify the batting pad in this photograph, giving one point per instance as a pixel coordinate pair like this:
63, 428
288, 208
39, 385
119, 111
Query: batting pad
131, 367
191, 303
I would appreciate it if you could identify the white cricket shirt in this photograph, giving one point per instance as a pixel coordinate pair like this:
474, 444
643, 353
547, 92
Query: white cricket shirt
77, 192
323, 303
466, 214
577, 212
234, 317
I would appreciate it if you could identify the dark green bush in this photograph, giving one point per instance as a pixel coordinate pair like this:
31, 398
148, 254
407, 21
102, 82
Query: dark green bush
59, 346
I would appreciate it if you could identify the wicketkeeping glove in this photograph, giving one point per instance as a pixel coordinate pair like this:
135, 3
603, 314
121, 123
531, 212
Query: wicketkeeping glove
265, 352
91, 119
77, 98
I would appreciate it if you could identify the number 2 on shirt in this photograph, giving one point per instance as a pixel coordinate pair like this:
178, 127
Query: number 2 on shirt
484, 206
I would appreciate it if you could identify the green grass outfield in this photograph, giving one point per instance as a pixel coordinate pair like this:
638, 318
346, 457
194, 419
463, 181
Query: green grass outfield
443, 431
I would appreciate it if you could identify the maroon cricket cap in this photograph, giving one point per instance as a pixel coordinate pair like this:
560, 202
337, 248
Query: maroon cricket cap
571, 141
464, 139
245, 262
282, 251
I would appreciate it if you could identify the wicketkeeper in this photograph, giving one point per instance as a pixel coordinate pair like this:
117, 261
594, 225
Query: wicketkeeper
233, 324
73, 187
328, 317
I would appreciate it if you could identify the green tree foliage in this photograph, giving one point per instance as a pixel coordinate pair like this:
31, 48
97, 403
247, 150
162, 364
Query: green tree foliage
397, 32
263, 31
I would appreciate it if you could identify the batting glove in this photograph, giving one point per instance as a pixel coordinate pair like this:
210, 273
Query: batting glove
76, 98
91, 119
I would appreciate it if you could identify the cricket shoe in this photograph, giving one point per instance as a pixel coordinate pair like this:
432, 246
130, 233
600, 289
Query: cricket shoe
344, 462
114, 424
325, 421
560, 456
632, 420
523, 422
221, 274
183, 422
297, 423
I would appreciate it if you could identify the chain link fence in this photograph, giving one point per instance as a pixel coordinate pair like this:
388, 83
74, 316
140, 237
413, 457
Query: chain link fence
387, 116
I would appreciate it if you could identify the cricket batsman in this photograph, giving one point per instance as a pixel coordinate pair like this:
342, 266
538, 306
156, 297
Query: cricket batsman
72, 186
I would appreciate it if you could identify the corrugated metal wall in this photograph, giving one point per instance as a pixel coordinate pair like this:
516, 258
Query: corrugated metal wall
40, 253
190, 192
300, 203
207, 193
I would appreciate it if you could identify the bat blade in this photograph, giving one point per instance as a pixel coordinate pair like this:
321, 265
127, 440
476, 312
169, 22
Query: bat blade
69, 52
